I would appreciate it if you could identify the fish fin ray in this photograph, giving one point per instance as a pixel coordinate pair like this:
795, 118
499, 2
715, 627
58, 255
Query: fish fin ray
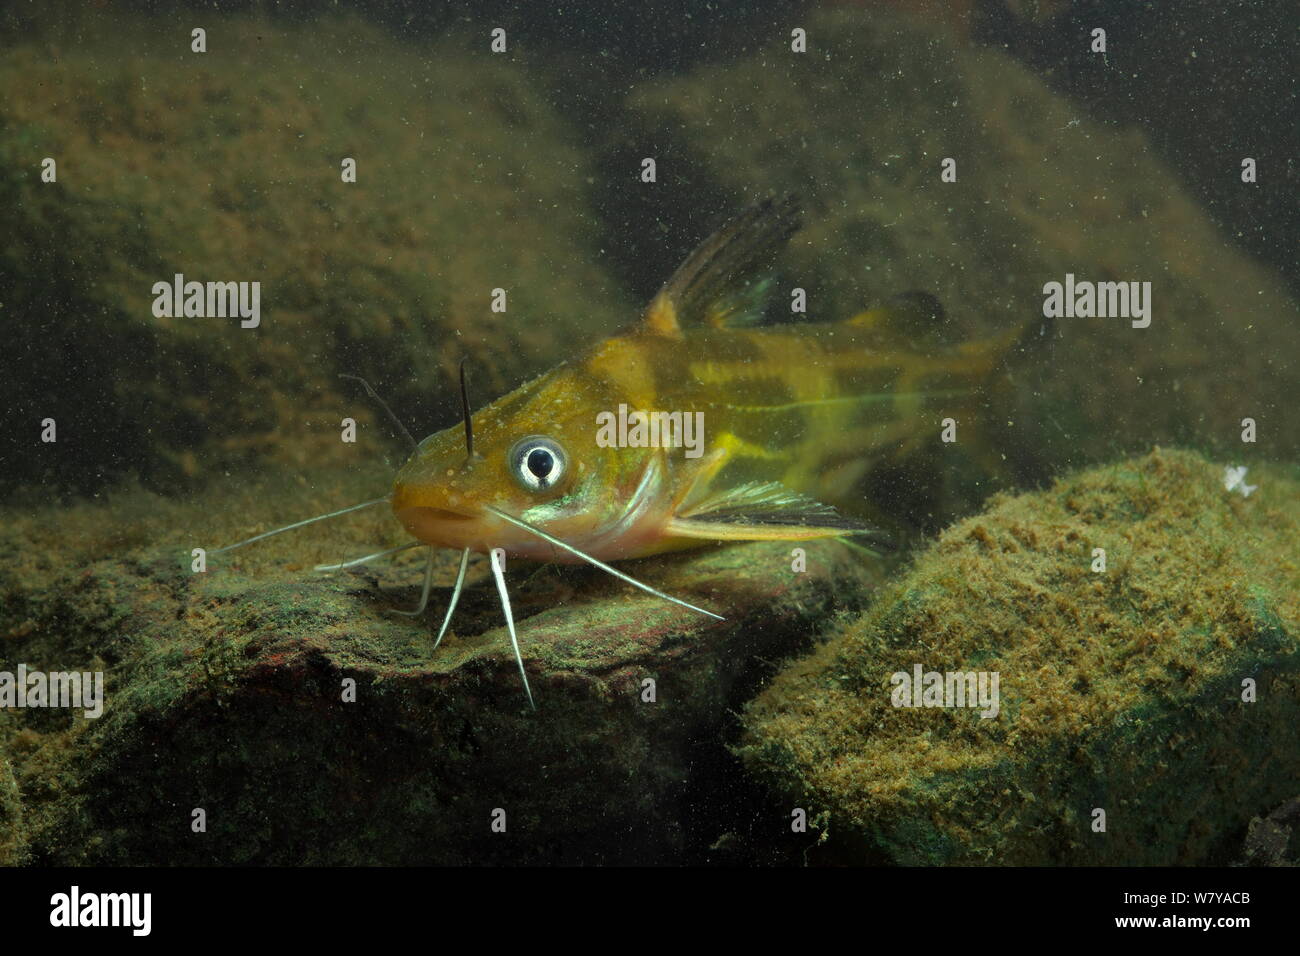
915, 317
726, 531
722, 282
763, 511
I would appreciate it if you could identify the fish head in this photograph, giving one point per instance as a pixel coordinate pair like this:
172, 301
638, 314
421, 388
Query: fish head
536, 458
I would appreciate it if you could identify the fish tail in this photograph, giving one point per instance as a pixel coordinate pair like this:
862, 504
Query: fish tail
984, 374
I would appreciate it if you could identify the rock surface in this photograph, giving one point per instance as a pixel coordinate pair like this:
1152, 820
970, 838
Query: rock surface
859, 127
225, 690
226, 693
1120, 690
227, 167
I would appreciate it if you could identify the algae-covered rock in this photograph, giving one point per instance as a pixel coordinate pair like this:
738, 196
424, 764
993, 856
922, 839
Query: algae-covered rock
1274, 840
1163, 690
860, 126
228, 166
11, 815
313, 725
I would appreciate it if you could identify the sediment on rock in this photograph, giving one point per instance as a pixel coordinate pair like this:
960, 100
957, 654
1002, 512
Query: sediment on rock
310, 724
1163, 691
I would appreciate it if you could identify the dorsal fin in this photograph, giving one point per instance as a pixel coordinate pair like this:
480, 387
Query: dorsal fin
723, 282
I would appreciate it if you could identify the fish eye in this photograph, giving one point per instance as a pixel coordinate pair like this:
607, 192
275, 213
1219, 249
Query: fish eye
537, 463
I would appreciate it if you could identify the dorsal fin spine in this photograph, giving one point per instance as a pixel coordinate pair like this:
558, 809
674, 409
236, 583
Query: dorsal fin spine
720, 283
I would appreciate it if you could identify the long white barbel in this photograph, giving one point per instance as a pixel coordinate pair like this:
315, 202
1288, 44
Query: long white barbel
369, 557
497, 560
597, 563
300, 524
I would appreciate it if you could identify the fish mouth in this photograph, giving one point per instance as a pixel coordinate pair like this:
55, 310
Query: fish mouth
442, 514
440, 527
427, 505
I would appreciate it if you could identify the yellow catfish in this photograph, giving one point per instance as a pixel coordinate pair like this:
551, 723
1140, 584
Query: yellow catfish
695, 427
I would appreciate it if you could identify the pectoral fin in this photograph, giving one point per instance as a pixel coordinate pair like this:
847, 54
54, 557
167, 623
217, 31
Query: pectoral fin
762, 511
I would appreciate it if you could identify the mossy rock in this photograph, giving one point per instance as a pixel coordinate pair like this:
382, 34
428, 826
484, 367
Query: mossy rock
225, 690
1120, 690
226, 166
860, 125
11, 816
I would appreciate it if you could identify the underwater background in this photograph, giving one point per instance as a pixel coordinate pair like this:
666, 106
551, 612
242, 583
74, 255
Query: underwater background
1164, 689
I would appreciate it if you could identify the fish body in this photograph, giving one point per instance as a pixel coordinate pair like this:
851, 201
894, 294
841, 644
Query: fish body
793, 416
769, 429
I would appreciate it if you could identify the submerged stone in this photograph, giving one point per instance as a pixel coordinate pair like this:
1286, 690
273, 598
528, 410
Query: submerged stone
1147, 711
862, 128
11, 817
234, 166
310, 724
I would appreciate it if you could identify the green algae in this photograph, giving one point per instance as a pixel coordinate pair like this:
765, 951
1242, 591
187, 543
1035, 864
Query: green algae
860, 127
1120, 690
12, 835
1274, 839
225, 689
226, 166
